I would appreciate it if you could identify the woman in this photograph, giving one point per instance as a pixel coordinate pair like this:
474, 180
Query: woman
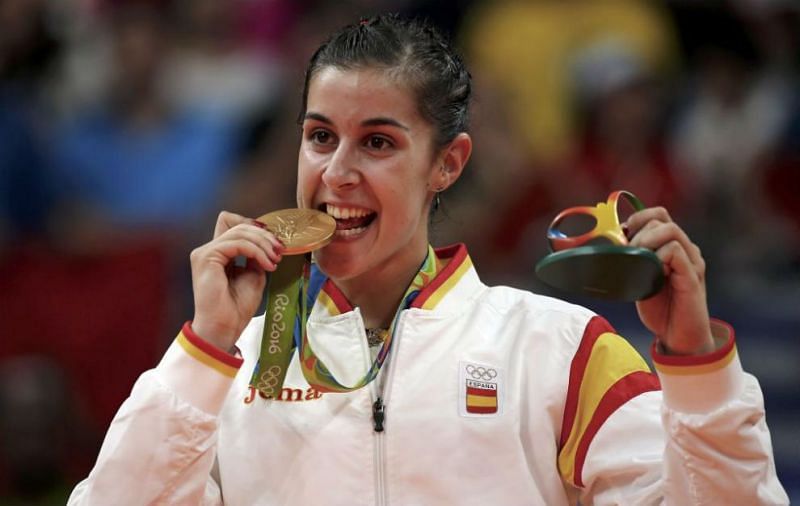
488, 394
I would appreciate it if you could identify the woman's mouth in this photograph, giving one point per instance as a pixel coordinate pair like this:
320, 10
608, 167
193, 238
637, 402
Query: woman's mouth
350, 221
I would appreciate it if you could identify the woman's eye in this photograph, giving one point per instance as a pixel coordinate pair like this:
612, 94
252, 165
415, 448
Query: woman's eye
377, 142
321, 137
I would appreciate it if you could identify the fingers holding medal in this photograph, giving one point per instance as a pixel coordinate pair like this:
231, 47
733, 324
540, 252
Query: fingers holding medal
227, 292
238, 236
265, 239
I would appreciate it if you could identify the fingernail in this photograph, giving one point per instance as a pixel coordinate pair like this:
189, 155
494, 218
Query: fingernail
259, 224
625, 230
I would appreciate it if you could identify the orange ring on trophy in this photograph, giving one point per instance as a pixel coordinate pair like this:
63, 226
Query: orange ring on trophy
607, 224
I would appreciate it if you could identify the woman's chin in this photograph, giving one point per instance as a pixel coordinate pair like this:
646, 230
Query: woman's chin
341, 258
335, 267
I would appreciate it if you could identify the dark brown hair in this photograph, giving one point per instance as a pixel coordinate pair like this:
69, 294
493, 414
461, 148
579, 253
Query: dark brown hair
415, 52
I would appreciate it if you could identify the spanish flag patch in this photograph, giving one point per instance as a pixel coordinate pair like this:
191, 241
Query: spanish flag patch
480, 389
481, 397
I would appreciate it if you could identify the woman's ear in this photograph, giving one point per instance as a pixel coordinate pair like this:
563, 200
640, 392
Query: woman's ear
454, 158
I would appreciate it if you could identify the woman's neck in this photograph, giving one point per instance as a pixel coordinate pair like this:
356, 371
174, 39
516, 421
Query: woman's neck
379, 292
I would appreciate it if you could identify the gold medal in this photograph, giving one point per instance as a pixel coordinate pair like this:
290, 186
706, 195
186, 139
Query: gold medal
300, 230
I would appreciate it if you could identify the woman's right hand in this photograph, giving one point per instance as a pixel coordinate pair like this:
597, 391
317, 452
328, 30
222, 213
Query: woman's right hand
226, 296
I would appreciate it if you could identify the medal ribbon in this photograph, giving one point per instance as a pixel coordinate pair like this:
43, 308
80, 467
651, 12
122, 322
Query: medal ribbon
285, 292
318, 375
286, 315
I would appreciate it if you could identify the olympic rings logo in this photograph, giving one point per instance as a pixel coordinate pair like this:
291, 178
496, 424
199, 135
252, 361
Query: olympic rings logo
481, 373
268, 380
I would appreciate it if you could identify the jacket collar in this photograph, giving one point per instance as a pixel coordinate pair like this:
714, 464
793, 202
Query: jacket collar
456, 282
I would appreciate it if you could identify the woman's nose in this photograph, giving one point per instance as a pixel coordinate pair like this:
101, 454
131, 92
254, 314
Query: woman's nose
341, 171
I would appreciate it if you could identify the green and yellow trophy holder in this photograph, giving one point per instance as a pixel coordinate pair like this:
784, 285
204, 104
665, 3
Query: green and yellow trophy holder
600, 263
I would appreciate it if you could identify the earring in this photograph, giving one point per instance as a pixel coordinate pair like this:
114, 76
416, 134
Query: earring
437, 201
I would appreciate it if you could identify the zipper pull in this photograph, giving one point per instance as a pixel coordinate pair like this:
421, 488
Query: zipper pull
378, 415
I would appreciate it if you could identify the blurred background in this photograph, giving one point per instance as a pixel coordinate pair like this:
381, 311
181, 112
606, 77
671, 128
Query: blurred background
125, 126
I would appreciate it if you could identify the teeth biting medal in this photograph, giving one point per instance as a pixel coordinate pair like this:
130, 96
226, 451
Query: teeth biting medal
300, 230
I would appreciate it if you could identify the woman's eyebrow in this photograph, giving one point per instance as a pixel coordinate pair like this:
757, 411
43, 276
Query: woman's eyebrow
379, 121
317, 117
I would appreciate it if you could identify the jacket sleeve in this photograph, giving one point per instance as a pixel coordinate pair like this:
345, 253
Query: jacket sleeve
161, 445
697, 436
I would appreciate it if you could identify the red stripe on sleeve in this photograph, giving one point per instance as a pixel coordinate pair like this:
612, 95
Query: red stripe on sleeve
596, 327
210, 349
622, 391
688, 360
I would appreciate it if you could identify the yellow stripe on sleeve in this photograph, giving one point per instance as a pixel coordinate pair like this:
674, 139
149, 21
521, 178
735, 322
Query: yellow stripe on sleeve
206, 359
688, 370
611, 359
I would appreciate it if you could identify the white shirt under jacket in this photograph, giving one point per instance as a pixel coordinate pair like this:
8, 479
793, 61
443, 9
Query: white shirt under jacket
494, 396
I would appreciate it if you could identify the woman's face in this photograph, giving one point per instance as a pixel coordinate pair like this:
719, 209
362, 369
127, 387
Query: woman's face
367, 159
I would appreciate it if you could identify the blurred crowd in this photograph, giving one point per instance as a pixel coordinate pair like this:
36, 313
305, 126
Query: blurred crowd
127, 125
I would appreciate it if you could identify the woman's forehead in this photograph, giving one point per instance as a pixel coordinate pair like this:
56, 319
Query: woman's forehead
363, 93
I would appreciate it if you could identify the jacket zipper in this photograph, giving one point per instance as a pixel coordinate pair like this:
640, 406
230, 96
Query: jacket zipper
379, 394
378, 415
380, 485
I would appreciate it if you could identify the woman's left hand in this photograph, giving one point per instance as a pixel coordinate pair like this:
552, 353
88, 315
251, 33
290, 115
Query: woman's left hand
678, 314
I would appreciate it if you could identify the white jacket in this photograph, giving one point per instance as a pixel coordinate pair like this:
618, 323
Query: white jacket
493, 396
